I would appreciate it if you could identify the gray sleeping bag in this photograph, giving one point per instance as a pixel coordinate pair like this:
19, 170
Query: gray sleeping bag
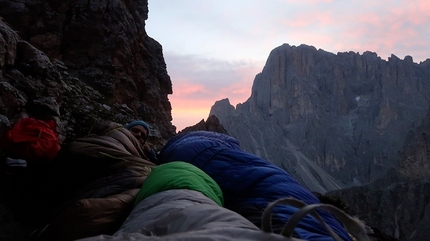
183, 214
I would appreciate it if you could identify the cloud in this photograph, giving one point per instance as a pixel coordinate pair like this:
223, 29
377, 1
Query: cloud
251, 29
214, 50
199, 82
200, 77
385, 27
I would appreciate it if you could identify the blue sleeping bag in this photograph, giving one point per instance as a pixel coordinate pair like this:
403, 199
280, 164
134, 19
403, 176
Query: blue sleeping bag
248, 182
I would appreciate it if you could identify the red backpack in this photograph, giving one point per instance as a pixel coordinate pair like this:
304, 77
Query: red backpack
31, 139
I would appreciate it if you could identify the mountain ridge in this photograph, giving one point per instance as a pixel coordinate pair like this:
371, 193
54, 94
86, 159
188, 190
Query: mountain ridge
362, 119
341, 110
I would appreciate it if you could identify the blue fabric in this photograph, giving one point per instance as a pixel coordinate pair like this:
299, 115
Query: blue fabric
247, 180
138, 123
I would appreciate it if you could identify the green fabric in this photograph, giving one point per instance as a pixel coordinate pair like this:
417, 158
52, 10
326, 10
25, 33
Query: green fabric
180, 175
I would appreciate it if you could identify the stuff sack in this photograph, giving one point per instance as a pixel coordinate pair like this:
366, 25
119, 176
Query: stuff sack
32, 140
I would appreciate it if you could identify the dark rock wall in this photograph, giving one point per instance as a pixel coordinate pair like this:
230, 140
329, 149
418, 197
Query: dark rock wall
93, 57
399, 202
397, 206
78, 62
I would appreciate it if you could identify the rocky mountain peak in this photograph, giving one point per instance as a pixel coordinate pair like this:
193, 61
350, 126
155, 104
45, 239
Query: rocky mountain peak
348, 123
348, 113
223, 108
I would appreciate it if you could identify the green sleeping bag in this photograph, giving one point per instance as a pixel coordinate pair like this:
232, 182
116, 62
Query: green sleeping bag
180, 175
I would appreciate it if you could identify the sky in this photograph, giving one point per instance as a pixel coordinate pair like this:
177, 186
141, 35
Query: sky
214, 49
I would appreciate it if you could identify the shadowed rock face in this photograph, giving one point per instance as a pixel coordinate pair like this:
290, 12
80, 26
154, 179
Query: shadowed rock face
78, 62
211, 124
397, 206
92, 58
349, 114
398, 203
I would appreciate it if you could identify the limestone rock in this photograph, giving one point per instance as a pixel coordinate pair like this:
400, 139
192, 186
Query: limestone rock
361, 119
397, 206
397, 203
347, 113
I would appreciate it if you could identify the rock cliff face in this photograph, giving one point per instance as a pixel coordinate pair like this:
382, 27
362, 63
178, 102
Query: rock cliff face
394, 204
85, 60
78, 62
321, 115
399, 202
362, 119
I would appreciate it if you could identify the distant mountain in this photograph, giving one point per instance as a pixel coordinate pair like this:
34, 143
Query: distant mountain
211, 124
346, 119
331, 120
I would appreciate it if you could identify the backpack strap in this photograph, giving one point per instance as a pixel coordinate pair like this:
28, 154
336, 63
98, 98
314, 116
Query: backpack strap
354, 226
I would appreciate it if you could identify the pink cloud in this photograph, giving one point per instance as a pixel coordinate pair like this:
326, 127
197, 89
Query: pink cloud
310, 19
198, 83
386, 27
239, 91
187, 117
312, 38
183, 88
188, 111
371, 26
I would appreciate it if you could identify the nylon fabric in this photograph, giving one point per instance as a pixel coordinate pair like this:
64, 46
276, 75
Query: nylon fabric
182, 214
247, 180
180, 175
98, 177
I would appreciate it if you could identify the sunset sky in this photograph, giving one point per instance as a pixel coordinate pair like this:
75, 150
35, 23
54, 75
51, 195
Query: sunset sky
214, 49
